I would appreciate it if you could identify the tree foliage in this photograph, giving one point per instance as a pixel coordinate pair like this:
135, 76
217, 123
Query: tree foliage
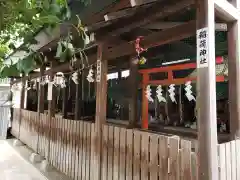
20, 20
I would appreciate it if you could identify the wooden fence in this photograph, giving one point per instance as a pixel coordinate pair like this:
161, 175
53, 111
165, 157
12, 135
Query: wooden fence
70, 146
229, 160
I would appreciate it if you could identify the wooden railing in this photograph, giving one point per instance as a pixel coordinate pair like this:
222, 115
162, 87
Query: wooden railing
70, 146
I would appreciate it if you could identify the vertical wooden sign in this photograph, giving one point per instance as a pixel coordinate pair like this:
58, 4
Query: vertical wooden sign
98, 75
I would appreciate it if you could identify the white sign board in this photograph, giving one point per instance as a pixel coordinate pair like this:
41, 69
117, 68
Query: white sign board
202, 48
50, 88
98, 75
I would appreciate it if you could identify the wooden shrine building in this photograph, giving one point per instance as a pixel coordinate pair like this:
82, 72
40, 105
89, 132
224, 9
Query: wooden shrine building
157, 65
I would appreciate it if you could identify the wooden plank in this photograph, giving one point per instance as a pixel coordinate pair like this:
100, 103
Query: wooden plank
238, 157
84, 151
129, 155
154, 161
110, 152
173, 158
104, 165
145, 155
233, 160
163, 157
65, 147
194, 165
72, 132
222, 162
76, 149
185, 157
92, 162
136, 155
88, 150
123, 154
116, 153
228, 160
80, 162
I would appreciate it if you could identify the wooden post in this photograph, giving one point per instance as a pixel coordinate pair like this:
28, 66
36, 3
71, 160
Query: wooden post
21, 104
234, 75
101, 104
41, 93
65, 98
40, 107
206, 91
77, 103
133, 88
51, 107
144, 117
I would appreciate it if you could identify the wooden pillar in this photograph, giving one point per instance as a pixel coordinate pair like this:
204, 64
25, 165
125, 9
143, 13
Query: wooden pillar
206, 91
41, 93
144, 117
22, 99
234, 75
133, 88
65, 98
101, 104
51, 106
77, 103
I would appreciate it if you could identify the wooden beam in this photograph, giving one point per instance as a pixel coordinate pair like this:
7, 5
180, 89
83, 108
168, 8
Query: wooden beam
155, 39
142, 17
227, 11
234, 75
123, 13
168, 25
206, 94
141, 2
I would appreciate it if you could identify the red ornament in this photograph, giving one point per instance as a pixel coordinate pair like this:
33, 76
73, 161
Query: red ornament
138, 48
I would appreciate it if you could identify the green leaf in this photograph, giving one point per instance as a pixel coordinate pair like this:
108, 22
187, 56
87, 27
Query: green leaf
9, 71
27, 65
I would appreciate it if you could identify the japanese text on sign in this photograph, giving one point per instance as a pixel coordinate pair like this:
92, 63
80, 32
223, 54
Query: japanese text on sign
98, 75
202, 48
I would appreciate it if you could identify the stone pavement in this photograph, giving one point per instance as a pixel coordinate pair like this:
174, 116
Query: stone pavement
14, 167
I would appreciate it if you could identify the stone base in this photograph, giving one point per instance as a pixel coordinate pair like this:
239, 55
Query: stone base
45, 166
17, 142
35, 158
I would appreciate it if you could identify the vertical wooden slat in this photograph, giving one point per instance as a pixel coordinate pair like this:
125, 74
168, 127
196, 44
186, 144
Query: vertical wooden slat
145, 156
74, 157
88, 143
129, 153
136, 155
163, 157
104, 165
65, 146
61, 139
77, 150
228, 161
233, 160
185, 156
110, 152
238, 157
71, 148
222, 162
123, 154
173, 158
153, 164
68, 147
194, 164
92, 150
116, 153
80, 161
84, 153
